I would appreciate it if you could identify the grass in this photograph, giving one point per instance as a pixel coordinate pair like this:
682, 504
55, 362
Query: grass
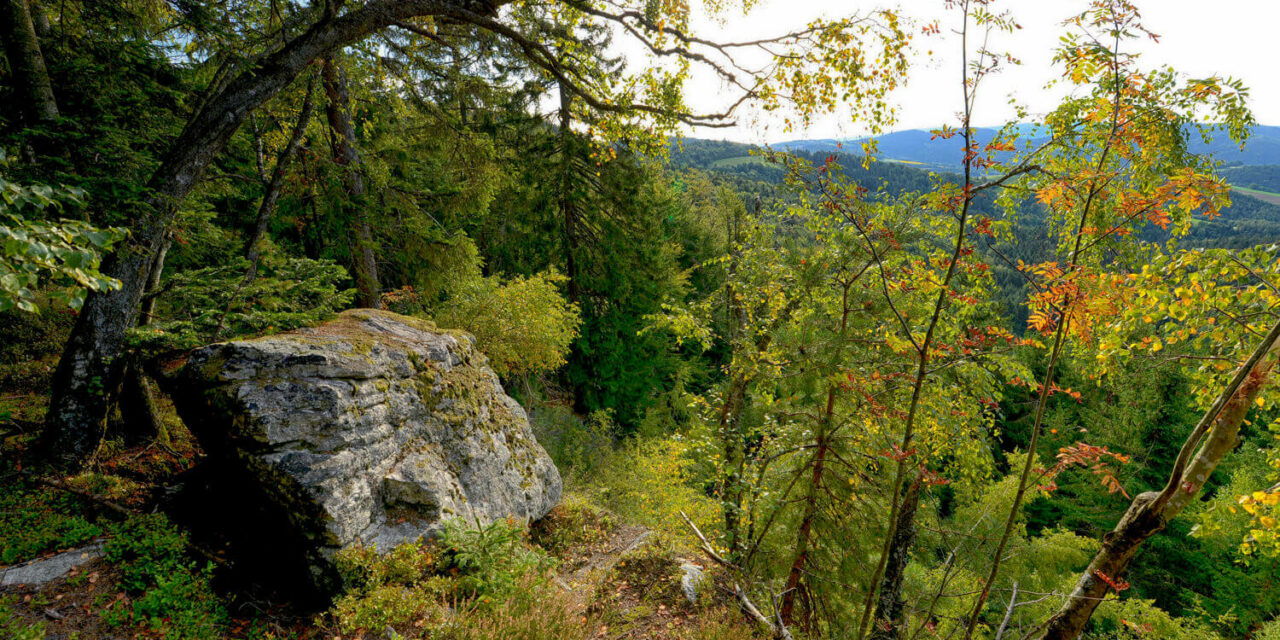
1265, 196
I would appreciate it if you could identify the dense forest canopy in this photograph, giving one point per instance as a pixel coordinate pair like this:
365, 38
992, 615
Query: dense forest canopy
971, 382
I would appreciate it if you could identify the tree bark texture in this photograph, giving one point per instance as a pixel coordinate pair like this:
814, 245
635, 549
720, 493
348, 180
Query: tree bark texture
139, 415
891, 607
26, 62
568, 201
364, 263
39, 18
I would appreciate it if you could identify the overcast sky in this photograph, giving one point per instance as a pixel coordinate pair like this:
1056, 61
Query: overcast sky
1228, 37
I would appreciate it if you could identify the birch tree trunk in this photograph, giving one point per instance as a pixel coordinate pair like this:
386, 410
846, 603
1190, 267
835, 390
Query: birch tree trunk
1215, 436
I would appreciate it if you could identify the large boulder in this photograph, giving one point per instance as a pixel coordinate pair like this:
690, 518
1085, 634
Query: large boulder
373, 429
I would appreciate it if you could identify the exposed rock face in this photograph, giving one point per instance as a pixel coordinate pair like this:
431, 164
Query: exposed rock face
373, 428
691, 578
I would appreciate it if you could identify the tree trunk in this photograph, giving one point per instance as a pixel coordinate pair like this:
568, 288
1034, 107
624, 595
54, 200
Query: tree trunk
568, 203
22, 48
735, 400
1151, 511
364, 263
91, 359
253, 246
39, 18
271, 195
139, 416
731, 490
800, 562
146, 311
891, 606
799, 565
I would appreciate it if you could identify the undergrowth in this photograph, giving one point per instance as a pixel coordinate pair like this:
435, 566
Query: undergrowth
463, 581
649, 482
168, 591
14, 628
493, 584
36, 520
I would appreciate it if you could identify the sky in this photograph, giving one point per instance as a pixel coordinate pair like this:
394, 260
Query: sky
1235, 38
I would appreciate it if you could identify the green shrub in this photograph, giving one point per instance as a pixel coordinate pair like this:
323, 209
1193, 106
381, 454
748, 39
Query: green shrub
363, 568
145, 548
33, 521
650, 481
399, 589
523, 324
407, 589
387, 606
577, 446
488, 560
1269, 631
171, 593
203, 304
1130, 617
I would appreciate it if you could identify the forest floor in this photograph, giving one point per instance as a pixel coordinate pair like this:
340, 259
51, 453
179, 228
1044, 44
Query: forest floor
623, 580
583, 575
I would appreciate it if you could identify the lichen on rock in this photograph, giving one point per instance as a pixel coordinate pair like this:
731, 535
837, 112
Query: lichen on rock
373, 429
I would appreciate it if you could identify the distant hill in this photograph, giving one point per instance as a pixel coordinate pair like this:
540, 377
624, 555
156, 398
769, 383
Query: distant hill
916, 145
746, 170
1253, 218
1259, 181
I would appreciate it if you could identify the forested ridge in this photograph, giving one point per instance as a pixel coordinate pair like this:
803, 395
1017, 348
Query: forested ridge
975, 382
